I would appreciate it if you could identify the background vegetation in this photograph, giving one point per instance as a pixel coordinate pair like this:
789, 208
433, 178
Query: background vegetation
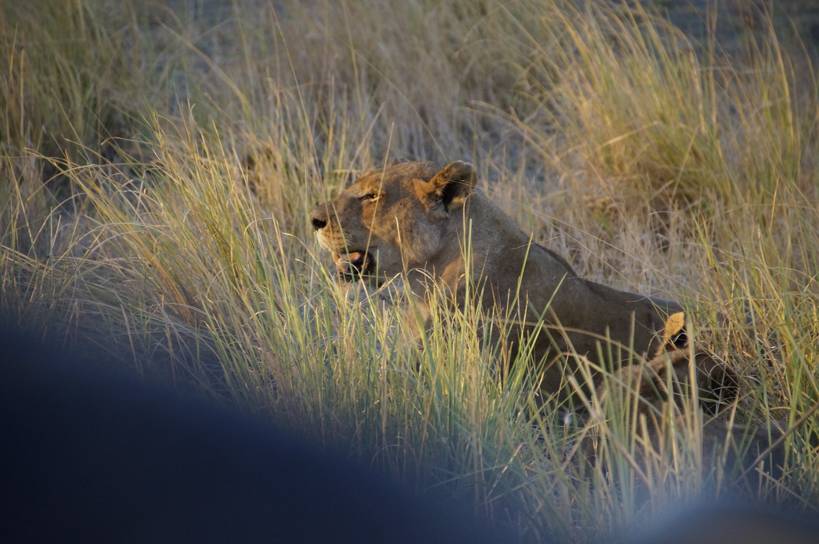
159, 159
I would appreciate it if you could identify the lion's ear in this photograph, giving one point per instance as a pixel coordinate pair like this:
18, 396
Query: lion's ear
454, 183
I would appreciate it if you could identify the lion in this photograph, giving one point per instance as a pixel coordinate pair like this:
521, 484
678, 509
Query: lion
411, 219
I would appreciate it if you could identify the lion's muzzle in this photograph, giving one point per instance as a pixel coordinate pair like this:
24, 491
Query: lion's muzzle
353, 265
319, 217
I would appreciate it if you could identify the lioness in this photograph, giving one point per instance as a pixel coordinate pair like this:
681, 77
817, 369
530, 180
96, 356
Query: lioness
410, 219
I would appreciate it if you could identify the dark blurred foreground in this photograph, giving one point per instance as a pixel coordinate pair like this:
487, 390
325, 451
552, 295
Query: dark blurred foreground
93, 455
90, 454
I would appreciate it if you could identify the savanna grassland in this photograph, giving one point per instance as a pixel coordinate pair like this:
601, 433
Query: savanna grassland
158, 162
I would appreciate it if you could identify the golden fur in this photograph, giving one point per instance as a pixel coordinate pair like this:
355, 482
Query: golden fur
410, 219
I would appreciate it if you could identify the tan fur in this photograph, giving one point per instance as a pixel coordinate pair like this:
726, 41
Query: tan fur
410, 219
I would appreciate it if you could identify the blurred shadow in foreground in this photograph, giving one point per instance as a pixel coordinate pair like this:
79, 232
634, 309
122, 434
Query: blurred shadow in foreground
93, 455
730, 522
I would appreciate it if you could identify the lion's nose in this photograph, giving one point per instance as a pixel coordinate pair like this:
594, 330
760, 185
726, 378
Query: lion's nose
318, 217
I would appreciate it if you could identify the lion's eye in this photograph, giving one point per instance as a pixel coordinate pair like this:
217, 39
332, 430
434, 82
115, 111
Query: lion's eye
369, 197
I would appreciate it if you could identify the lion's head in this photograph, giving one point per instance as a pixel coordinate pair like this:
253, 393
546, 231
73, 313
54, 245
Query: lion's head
392, 220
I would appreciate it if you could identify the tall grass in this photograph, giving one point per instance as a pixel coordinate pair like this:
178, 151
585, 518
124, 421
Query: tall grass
652, 162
